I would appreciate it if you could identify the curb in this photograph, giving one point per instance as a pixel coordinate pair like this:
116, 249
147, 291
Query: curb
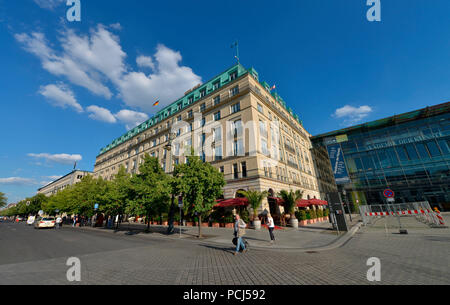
337, 243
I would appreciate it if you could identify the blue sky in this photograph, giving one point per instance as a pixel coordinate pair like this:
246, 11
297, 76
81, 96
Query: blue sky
68, 89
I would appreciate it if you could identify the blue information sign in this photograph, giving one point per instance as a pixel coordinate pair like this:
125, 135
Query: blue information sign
338, 164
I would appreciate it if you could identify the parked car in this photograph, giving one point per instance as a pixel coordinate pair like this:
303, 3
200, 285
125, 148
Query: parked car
45, 222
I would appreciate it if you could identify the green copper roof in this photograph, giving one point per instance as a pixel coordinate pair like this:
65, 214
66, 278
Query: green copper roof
193, 96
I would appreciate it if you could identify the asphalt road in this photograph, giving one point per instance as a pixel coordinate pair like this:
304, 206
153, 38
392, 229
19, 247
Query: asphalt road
29, 256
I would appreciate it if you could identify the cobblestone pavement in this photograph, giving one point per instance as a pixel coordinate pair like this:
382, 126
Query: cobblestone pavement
418, 258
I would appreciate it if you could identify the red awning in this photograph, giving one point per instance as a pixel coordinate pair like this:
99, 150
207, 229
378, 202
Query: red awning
235, 202
318, 202
303, 203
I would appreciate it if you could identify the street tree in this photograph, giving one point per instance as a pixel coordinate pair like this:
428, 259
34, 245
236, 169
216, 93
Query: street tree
3, 200
117, 194
200, 184
150, 193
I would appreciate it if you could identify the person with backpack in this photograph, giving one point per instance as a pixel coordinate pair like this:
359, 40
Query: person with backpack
239, 232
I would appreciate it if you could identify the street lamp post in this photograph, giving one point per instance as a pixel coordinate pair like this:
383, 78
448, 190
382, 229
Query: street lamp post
168, 148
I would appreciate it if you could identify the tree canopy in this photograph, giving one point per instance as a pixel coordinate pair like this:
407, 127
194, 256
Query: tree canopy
200, 185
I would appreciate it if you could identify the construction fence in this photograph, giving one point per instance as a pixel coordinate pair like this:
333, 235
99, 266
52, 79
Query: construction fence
421, 210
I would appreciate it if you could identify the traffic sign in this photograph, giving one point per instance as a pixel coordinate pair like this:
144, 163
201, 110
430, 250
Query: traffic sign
180, 202
389, 193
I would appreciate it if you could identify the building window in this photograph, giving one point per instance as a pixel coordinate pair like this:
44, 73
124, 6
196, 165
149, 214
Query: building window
203, 122
202, 107
217, 100
264, 148
191, 99
222, 169
217, 116
190, 114
260, 108
234, 91
233, 75
236, 108
235, 171
218, 153
202, 93
216, 85
244, 169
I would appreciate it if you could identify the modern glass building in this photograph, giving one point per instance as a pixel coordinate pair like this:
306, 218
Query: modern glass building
408, 153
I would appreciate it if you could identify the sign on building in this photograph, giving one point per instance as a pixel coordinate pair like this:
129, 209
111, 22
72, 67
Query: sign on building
338, 164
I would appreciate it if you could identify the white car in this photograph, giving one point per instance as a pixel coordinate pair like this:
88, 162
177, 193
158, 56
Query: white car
31, 220
45, 222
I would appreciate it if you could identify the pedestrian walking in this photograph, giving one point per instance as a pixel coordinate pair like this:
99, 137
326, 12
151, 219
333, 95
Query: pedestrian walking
58, 222
271, 226
74, 221
239, 232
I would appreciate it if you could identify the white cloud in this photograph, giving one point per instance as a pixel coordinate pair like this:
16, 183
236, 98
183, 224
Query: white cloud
61, 96
168, 82
352, 115
116, 26
131, 118
101, 114
145, 62
49, 4
17, 181
128, 117
58, 158
76, 72
92, 61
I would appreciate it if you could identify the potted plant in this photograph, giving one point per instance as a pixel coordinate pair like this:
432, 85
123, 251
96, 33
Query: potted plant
301, 215
255, 199
229, 221
313, 216
320, 215
290, 199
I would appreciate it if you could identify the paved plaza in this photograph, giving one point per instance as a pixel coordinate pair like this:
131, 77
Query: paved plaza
39, 257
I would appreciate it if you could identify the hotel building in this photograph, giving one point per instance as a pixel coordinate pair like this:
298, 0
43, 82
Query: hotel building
62, 183
236, 123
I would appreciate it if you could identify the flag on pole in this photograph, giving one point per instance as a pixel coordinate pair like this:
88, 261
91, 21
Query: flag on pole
156, 104
75, 165
273, 88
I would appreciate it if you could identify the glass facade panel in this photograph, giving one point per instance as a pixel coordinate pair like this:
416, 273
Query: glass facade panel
412, 159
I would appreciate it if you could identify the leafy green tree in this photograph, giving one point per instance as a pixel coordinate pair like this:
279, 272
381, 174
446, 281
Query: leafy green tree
200, 184
150, 193
255, 199
3, 200
290, 199
116, 195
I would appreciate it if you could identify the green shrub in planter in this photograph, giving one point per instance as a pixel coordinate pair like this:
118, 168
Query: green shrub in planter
313, 214
308, 214
301, 215
326, 212
319, 213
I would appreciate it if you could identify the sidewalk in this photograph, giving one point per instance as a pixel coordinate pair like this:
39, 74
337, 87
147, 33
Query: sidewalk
316, 237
